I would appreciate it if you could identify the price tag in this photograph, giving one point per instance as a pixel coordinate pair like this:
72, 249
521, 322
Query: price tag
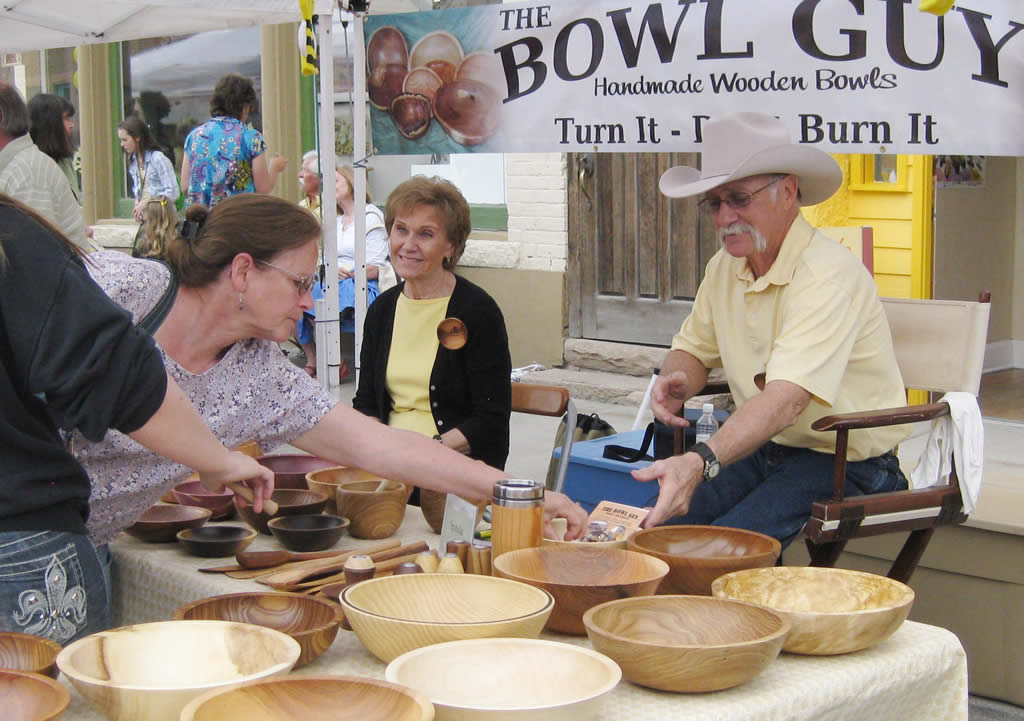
459, 520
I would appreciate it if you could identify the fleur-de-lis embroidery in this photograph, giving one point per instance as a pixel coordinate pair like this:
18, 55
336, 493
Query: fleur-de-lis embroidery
56, 613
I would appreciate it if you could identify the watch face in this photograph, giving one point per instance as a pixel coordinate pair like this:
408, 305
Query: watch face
711, 468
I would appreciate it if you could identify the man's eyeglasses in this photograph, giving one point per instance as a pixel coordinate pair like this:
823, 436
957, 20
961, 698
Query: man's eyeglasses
735, 199
304, 283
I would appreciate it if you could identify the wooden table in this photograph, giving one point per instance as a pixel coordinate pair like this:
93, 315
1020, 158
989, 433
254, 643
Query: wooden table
919, 673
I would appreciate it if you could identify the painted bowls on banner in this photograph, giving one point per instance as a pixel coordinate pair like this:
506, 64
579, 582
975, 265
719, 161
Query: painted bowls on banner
290, 502
508, 679
290, 469
161, 523
216, 541
25, 652
376, 512
697, 555
327, 480
301, 698
831, 610
192, 493
308, 533
689, 644
395, 614
581, 578
28, 696
151, 670
311, 621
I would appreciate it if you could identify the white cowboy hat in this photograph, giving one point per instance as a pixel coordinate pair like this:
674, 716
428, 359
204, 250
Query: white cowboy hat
745, 144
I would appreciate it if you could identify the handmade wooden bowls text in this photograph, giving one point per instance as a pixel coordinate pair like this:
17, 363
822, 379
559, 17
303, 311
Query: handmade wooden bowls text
27, 696
290, 502
831, 610
375, 512
697, 555
25, 652
160, 523
216, 541
580, 577
395, 614
290, 469
308, 533
686, 643
151, 670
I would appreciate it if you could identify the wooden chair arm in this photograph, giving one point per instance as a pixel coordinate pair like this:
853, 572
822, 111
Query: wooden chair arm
884, 417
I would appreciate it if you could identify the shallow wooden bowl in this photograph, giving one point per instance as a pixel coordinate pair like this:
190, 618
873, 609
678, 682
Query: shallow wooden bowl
395, 614
216, 541
192, 493
580, 577
831, 610
308, 532
160, 524
290, 502
697, 555
290, 469
28, 696
25, 652
151, 670
686, 643
311, 621
508, 679
374, 513
339, 698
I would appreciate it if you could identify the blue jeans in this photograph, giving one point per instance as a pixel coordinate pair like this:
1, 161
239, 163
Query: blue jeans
771, 491
52, 585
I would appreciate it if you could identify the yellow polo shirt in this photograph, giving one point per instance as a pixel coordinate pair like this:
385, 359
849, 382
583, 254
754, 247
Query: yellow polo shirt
814, 319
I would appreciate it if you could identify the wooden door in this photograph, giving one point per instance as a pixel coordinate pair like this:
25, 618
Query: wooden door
635, 256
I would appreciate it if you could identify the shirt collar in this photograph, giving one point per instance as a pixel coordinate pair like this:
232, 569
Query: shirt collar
782, 270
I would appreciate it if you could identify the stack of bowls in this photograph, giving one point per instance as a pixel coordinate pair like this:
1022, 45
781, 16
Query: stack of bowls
160, 523
290, 502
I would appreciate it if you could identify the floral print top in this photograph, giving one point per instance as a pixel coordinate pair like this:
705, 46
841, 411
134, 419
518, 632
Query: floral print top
220, 154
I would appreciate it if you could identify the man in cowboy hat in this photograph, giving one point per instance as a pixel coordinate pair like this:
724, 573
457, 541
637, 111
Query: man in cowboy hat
783, 307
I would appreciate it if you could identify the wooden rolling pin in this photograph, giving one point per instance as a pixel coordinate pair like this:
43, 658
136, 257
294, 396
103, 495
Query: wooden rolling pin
269, 507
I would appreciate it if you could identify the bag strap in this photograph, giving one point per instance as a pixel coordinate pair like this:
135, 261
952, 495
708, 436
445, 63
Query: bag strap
156, 315
632, 455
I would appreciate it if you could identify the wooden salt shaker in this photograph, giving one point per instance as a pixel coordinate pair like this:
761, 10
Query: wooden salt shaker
358, 568
450, 564
427, 561
461, 549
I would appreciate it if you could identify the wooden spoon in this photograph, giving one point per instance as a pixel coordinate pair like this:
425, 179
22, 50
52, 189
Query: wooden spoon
269, 559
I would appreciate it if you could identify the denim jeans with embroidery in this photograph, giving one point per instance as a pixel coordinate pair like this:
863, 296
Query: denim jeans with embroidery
51, 585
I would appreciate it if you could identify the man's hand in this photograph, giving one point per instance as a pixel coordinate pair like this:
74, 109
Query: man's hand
242, 468
679, 477
561, 506
667, 398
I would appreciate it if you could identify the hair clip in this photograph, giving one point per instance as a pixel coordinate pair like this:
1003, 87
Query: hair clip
190, 229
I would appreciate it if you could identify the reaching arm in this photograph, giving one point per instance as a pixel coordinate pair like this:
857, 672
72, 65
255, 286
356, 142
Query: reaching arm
265, 172
681, 377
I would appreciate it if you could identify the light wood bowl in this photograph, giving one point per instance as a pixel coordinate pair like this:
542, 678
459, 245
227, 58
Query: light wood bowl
25, 652
151, 670
686, 644
831, 610
290, 469
160, 523
28, 696
290, 502
697, 555
311, 621
374, 514
304, 698
580, 577
327, 480
395, 614
508, 679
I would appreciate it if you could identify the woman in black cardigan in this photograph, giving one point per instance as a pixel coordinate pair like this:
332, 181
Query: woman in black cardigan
458, 390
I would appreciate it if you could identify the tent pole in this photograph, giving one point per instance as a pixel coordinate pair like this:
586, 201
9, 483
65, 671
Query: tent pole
359, 154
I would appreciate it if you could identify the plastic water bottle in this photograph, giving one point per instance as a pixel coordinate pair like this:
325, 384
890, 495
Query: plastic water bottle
707, 424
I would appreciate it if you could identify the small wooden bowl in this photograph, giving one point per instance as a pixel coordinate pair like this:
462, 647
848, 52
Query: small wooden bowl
531, 679
151, 670
832, 610
290, 469
311, 621
395, 614
308, 533
697, 555
216, 541
29, 696
581, 578
160, 524
688, 644
374, 513
192, 493
327, 480
290, 502
25, 652
342, 698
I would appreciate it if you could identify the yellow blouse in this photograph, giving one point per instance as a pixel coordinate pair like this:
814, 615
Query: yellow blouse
411, 360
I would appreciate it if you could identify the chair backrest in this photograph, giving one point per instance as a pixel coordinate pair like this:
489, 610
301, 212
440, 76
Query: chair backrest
940, 344
539, 399
858, 239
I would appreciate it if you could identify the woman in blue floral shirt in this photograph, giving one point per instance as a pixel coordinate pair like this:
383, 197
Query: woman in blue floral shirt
224, 156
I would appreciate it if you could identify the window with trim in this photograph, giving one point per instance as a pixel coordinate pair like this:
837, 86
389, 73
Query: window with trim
882, 172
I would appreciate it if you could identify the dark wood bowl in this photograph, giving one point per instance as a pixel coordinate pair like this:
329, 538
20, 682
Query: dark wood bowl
311, 621
290, 502
216, 541
160, 524
25, 652
28, 696
290, 469
192, 493
697, 555
308, 533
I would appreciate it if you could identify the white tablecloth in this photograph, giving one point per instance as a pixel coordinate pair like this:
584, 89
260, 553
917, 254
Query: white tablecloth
919, 673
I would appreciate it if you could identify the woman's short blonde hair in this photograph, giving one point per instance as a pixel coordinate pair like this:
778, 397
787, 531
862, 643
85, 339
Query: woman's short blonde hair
442, 195
349, 174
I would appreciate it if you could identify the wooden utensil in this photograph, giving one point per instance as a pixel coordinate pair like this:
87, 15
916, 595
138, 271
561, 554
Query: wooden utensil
303, 570
269, 559
323, 576
221, 569
384, 568
245, 492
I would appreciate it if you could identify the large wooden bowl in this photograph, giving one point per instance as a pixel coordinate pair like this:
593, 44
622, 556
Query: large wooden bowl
686, 643
508, 679
192, 493
290, 502
28, 696
374, 513
697, 555
395, 614
311, 621
327, 480
151, 670
580, 577
25, 652
309, 698
160, 523
831, 610
290, 469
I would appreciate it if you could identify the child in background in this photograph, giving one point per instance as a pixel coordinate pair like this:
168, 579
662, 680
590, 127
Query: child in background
159, 222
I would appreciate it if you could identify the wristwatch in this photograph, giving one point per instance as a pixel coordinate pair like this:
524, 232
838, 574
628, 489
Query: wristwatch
711, 465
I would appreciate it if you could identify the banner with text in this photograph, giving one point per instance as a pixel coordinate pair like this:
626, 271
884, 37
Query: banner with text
848, 76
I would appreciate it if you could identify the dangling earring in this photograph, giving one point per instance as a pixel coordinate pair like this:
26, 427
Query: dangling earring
241, 301
446, 261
